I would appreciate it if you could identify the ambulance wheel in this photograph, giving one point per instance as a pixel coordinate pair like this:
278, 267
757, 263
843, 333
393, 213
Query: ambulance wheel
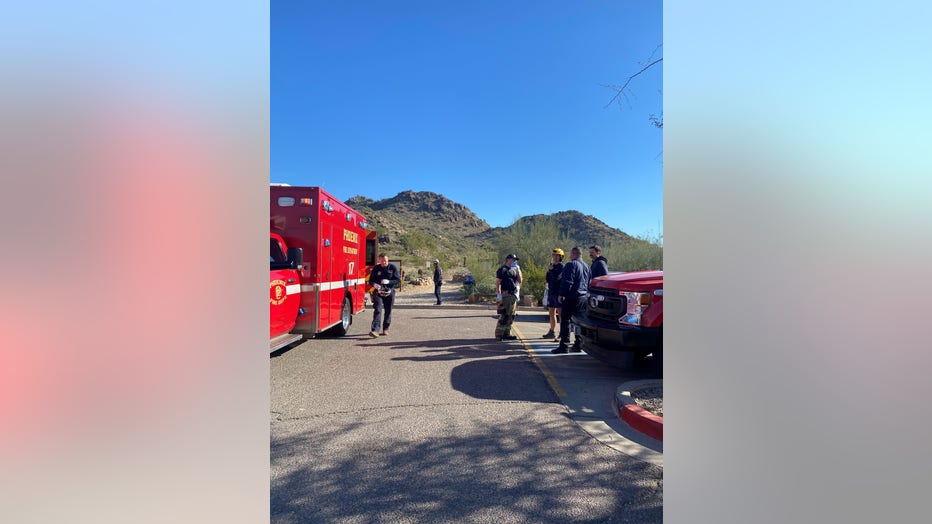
346, 318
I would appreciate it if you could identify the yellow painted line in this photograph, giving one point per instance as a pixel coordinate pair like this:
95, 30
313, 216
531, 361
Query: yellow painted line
540, 363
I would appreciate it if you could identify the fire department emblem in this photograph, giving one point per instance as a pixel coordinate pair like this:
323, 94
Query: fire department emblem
277, 292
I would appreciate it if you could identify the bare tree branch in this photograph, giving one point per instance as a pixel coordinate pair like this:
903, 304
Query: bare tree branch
656, 121
619, 90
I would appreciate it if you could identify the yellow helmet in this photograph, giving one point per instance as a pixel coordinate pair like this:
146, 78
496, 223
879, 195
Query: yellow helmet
557, 251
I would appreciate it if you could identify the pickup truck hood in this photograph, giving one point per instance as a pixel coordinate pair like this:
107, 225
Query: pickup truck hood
632, 281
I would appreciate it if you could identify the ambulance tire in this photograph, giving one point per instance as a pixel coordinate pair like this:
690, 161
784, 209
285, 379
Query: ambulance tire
346, 318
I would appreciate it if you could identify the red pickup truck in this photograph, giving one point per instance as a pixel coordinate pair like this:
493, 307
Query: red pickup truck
623, 319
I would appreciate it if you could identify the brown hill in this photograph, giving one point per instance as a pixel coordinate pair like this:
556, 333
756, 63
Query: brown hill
573, 226
420, 226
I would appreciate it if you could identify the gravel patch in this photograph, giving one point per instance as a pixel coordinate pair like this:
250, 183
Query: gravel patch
650, 399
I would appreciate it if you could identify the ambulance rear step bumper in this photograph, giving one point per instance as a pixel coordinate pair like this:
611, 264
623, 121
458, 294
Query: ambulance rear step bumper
283, 340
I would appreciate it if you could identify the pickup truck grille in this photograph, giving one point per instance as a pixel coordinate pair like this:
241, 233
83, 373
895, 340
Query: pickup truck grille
606, 304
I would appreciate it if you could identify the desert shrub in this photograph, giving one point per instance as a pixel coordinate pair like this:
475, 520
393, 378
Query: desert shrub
533, 242
482, 266
643, 252
418, 242
535, 278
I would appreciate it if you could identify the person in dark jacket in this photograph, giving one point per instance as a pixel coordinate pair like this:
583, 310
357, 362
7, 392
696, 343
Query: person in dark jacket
384, 277
554, 274
438, 280
574, 285
599, 265
507, 281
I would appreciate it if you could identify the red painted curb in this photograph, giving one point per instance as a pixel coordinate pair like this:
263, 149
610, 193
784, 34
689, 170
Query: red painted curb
642, 420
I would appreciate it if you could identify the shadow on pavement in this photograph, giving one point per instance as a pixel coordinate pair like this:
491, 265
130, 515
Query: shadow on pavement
437, 318
512, 472
508, 379
447, 349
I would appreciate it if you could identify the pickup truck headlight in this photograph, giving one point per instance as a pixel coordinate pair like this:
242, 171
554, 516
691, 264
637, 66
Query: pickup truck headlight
637, 303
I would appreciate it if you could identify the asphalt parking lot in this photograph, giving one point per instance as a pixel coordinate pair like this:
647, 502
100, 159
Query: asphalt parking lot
440, 422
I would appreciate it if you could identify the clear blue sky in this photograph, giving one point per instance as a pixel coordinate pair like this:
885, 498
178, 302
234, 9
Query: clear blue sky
499, 106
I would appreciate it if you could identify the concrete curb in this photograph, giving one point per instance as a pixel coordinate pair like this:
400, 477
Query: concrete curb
635, 416
608, 427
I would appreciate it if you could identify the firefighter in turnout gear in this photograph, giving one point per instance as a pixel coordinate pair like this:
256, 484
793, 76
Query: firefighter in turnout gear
507, 281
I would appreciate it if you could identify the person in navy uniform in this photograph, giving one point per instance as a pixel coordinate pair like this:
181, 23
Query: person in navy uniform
572, 298
384, 277
438, 281
599, 266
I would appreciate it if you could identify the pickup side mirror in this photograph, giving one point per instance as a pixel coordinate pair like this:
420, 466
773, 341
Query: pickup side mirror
295, 257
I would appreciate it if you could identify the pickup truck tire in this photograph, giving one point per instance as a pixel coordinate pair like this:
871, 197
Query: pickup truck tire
656, 365
651, 359
346, 318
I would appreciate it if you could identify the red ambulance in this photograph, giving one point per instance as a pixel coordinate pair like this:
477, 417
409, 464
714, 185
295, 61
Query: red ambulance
320, 255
